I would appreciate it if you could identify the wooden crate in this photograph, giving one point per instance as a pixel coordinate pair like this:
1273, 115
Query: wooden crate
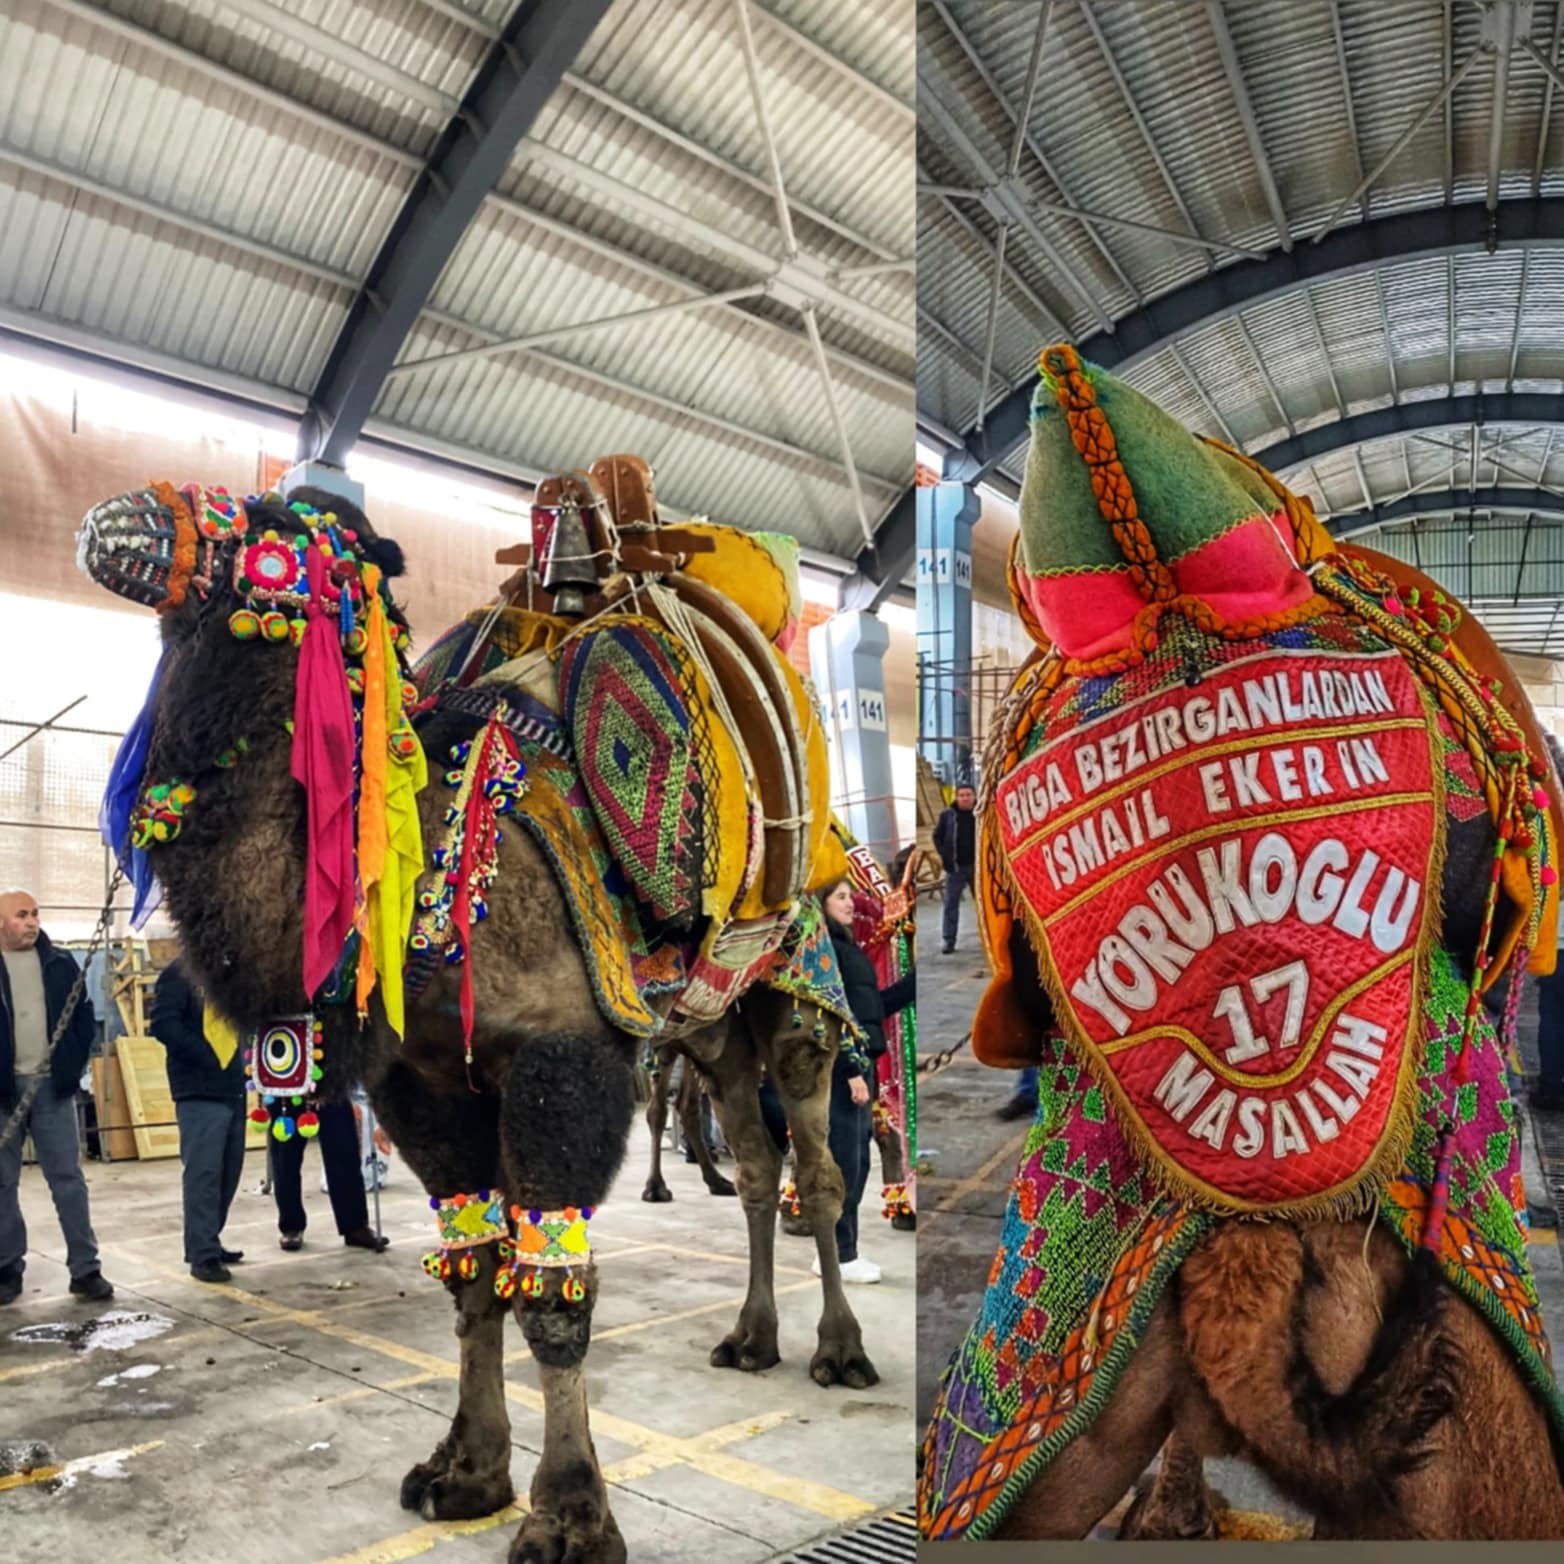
144, 1068
108, 1093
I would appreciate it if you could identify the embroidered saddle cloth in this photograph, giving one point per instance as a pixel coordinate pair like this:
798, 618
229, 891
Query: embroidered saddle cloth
1089, 1244
1228, 860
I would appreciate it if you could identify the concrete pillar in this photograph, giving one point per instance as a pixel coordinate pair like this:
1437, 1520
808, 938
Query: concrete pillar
946, 515
845, 657
321, 475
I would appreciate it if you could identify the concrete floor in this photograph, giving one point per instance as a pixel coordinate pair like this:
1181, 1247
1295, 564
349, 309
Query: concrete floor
971, 1158
272, 1419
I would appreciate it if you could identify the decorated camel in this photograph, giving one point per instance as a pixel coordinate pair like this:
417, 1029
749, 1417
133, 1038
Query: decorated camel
1264, 819
594, 814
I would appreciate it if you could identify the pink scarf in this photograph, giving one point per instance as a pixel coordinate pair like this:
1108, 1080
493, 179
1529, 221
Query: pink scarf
323, 766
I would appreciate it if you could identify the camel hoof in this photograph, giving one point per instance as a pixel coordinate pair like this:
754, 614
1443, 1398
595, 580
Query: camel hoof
905, 1221
546, 1538
721, 1186
749, 1354
850, 1368
797, 1226
439, 1493
465, 1498
656, 1192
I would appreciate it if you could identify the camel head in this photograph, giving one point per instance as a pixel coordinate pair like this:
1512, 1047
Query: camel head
204, 792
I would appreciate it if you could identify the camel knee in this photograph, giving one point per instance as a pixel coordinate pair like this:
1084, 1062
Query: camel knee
558, 1330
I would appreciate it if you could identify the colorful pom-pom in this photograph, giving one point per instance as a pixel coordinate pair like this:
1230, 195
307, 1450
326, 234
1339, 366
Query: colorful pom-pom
282, 1129
244, 624
309, 1126
573, 1291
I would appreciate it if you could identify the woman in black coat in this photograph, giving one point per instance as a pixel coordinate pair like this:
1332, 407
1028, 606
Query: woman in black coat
852, 1090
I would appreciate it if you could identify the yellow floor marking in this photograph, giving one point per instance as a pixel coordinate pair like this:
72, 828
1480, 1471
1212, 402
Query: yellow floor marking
82, 1463
1009, 1151
723, 1259
1543, 1235
421, 1539
745, 1474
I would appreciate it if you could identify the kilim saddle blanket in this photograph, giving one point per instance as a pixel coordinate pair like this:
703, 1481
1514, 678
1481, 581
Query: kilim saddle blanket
1228, 859
1089, 1243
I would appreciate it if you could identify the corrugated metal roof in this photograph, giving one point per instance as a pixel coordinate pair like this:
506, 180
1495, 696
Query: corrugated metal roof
210, 183
1137, 118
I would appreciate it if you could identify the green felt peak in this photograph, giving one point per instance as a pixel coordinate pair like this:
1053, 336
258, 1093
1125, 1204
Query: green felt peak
1185, 493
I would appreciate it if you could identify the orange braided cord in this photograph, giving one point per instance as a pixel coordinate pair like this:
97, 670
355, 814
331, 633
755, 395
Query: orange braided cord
1093, 437
1013, 571
186, 541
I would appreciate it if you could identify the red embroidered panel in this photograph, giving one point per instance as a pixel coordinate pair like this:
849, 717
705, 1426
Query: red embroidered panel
1234, 883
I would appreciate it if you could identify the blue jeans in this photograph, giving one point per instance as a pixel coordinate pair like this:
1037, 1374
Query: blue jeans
52, 1123
1026, 1085
1550, 1027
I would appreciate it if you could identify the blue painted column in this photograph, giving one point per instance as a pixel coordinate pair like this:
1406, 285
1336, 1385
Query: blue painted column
846, 655
946, 514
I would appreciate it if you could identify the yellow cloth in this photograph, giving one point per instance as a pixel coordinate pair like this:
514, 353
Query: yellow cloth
391, 900
381, 711
222, 1037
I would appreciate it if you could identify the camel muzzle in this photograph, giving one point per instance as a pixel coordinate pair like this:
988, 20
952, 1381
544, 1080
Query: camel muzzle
128, 544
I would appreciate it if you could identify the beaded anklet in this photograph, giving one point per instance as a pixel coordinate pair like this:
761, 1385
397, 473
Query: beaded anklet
467, 1222
547, 1241
897, 1201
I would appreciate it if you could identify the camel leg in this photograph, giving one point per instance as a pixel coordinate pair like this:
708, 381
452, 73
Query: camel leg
567, 1108
695, 1134
733, 1077
452, 1145
802, 1072
893, 1168
1177, 1506
1493, 1471
1096, 1470
657, 1190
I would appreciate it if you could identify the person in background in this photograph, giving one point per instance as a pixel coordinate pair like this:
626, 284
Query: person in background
35, 982
955, 840
1024, 1102
851, 1089
206, 1080
339, 1151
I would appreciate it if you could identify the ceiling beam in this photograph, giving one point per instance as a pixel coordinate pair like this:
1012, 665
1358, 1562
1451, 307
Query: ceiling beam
1445, 502
517, 77
1385, 240
1445, 412
887, 562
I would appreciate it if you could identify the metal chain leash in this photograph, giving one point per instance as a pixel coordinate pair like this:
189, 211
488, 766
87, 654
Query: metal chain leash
938, 1062
24, 1107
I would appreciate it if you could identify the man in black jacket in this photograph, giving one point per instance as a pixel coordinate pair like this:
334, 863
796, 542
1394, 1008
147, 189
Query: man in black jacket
208, 1093
955, 840
35, 982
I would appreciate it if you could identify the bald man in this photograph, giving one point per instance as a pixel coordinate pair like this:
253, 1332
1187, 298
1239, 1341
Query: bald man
35, 982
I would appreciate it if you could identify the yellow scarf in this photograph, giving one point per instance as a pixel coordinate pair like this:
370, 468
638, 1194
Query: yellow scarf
222, 1037
401, 847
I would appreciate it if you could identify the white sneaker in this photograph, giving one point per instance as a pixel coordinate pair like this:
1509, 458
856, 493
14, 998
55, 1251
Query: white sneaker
864, 1272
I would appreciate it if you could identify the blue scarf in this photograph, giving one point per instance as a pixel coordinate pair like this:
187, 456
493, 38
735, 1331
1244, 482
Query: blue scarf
126, 779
